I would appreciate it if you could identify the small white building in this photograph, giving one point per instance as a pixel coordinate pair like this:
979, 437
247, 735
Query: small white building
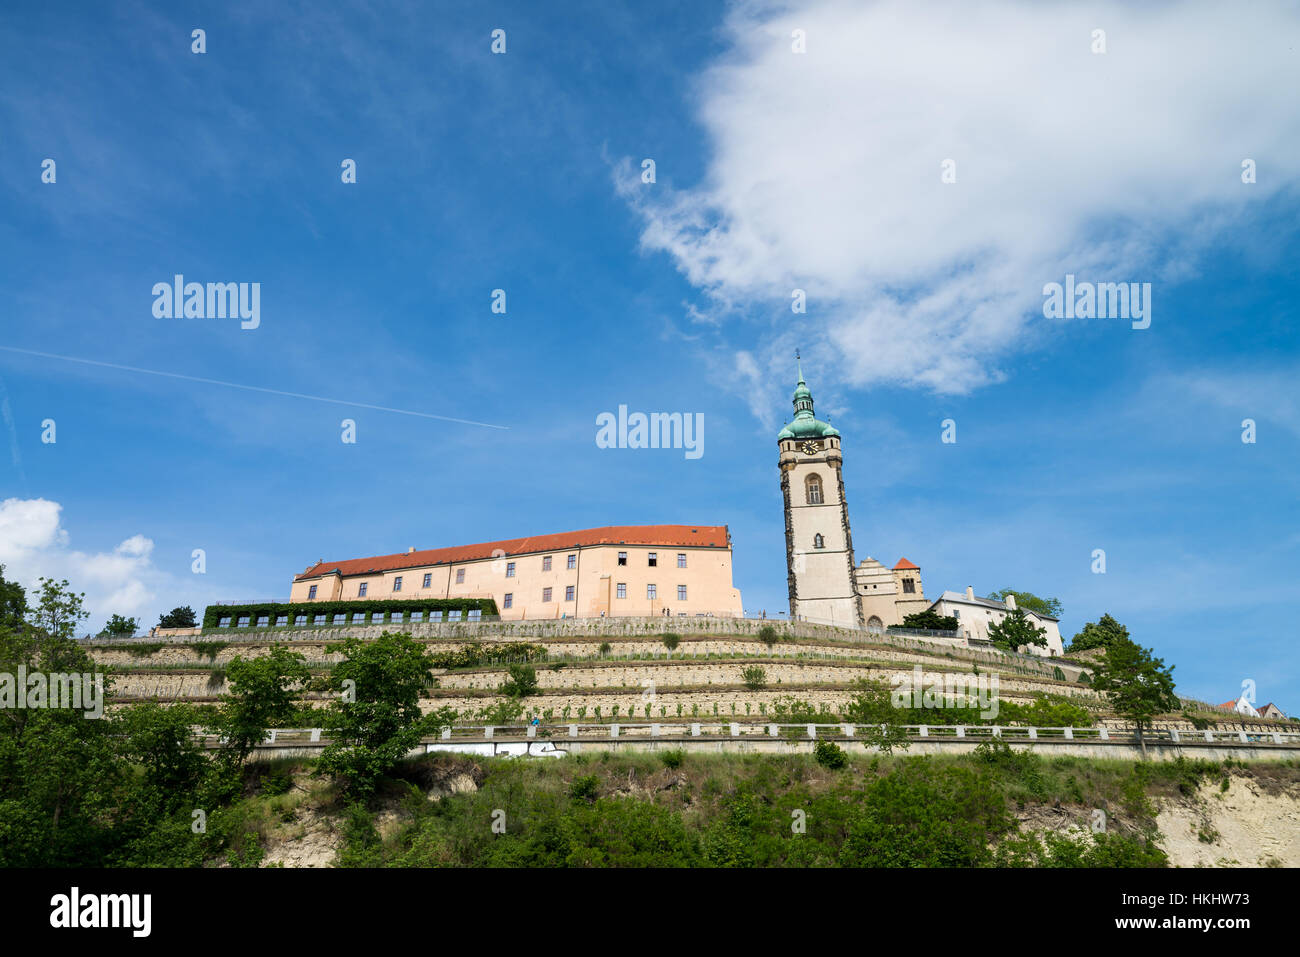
1241, 706
974, 615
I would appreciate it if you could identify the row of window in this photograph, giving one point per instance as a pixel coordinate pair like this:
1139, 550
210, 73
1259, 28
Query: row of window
571, 562
357, 618
651, 592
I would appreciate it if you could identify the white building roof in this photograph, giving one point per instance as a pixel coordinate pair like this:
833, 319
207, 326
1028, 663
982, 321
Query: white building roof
961, 598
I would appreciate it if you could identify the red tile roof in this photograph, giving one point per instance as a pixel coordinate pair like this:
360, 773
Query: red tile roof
668, 536
904, 563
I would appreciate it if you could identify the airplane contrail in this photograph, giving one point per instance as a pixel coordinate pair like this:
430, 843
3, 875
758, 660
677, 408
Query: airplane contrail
252, 388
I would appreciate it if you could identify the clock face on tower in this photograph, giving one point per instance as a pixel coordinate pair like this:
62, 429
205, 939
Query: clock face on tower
809, 447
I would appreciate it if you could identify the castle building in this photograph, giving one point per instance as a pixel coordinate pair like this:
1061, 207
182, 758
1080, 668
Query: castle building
617, 571
825, 584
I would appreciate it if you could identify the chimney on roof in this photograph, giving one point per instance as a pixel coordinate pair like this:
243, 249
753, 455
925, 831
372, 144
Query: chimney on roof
970, 592
411, 550
1011, 602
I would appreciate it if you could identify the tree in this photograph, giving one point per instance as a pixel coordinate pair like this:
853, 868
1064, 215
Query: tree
878, 722
161, 741
1051, 607
262, 693
376, 720
671, 641
1014, 630
180, 617
930, 620
754, 677
1101, 634
59, 773
13, 603
119, 627
1138, 686
521, 681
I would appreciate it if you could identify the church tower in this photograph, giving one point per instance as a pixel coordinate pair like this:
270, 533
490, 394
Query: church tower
818, 544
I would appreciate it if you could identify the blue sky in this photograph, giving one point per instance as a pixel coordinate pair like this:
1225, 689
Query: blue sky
774, 171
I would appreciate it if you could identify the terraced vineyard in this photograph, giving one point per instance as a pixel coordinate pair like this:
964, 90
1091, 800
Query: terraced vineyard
593, 677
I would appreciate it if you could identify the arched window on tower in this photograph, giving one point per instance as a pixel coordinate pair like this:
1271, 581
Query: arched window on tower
813, 490
875, 626
818, 541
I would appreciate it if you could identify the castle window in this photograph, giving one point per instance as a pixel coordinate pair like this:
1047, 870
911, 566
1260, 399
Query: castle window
361, 589
909, 586
397, 583
460, 576
651, 591
654, 559
546, 563
681, 592
428, 579
571, 562
681, 559
875, 626
622, 558
818, 541
311, 592
546, 594
622, 590
510, 569
509, 600
813, 490
568, 592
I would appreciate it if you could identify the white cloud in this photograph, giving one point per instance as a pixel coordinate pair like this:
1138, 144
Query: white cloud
33, 544
824, 169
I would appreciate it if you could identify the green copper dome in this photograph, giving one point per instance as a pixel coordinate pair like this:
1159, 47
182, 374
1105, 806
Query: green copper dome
805, 426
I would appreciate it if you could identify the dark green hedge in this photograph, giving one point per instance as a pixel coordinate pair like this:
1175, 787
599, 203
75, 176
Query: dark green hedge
213, 614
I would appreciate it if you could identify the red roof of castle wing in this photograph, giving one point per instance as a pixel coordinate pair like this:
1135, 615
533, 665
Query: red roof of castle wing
904, 563
702, 536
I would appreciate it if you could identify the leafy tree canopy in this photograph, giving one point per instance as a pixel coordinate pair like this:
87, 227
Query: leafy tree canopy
182, 617
376, 718
262, 692
1100, 634
119, 627
1137, 685
1051, 607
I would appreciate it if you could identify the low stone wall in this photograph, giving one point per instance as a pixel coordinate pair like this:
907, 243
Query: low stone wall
1113, 750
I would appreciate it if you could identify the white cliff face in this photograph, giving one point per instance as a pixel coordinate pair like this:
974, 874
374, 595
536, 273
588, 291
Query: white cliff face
1254, 823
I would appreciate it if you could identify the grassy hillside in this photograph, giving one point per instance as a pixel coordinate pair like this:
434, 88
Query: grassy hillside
994, 808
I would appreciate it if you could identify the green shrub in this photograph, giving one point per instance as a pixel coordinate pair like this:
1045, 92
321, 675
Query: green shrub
604, 647
522, 681
830, 755
754, 677
672, 759
585, 788
768, 636
671, 641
